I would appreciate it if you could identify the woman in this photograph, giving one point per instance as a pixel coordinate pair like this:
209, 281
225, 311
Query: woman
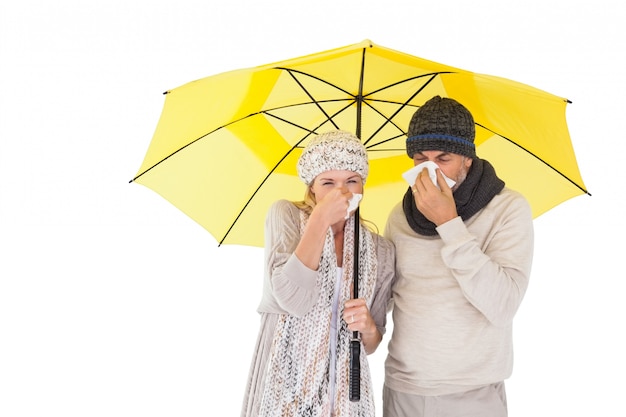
301, 361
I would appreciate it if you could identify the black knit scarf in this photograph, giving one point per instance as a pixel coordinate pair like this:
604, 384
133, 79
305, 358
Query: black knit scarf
479, 187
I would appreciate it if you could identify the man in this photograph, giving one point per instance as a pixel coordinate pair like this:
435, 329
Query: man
463, 259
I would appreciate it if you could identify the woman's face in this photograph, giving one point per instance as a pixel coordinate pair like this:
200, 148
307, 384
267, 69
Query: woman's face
329, 180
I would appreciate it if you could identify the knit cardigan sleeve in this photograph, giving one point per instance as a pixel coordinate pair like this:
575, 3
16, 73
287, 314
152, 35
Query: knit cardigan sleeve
289, 286
382, 299
492, 271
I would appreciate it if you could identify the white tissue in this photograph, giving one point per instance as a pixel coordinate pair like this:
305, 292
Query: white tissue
353, 204
411, 175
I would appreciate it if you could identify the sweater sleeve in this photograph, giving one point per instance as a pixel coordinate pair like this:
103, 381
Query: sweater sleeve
290, 282
381, 301
493, 274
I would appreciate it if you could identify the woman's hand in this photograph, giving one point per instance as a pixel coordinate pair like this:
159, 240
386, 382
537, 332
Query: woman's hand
333, 206
358, 317
329, 211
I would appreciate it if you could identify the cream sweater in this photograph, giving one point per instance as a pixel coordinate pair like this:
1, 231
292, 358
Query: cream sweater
455, 298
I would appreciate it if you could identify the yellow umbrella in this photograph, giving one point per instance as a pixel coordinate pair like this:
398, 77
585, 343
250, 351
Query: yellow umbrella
226, 146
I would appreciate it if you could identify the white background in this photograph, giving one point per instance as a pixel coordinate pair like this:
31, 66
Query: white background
114, 303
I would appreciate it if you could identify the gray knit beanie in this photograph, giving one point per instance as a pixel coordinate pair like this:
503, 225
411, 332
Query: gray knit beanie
441, 124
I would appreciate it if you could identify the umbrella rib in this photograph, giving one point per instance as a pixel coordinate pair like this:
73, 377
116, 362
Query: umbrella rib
292, 71
258, 188
388, 119
266, 112
311, 97
537, 158
432, 76
172, 154
187, 145
286, 106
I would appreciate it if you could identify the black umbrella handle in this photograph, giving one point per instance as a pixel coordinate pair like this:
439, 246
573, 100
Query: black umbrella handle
355, 343
355, 369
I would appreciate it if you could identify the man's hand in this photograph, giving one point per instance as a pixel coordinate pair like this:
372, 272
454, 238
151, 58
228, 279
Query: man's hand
436, 204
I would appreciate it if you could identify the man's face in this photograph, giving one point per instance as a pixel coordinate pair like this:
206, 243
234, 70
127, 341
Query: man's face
454, 166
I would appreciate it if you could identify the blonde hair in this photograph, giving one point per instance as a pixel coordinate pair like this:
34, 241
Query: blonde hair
308, 203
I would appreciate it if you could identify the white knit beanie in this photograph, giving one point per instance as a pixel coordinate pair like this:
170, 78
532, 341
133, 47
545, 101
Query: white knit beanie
334, 150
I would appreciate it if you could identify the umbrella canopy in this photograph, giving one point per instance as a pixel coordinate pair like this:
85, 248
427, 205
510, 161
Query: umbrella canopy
226, 146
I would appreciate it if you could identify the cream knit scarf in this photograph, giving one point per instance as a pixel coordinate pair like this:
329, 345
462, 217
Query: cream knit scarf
297, 379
